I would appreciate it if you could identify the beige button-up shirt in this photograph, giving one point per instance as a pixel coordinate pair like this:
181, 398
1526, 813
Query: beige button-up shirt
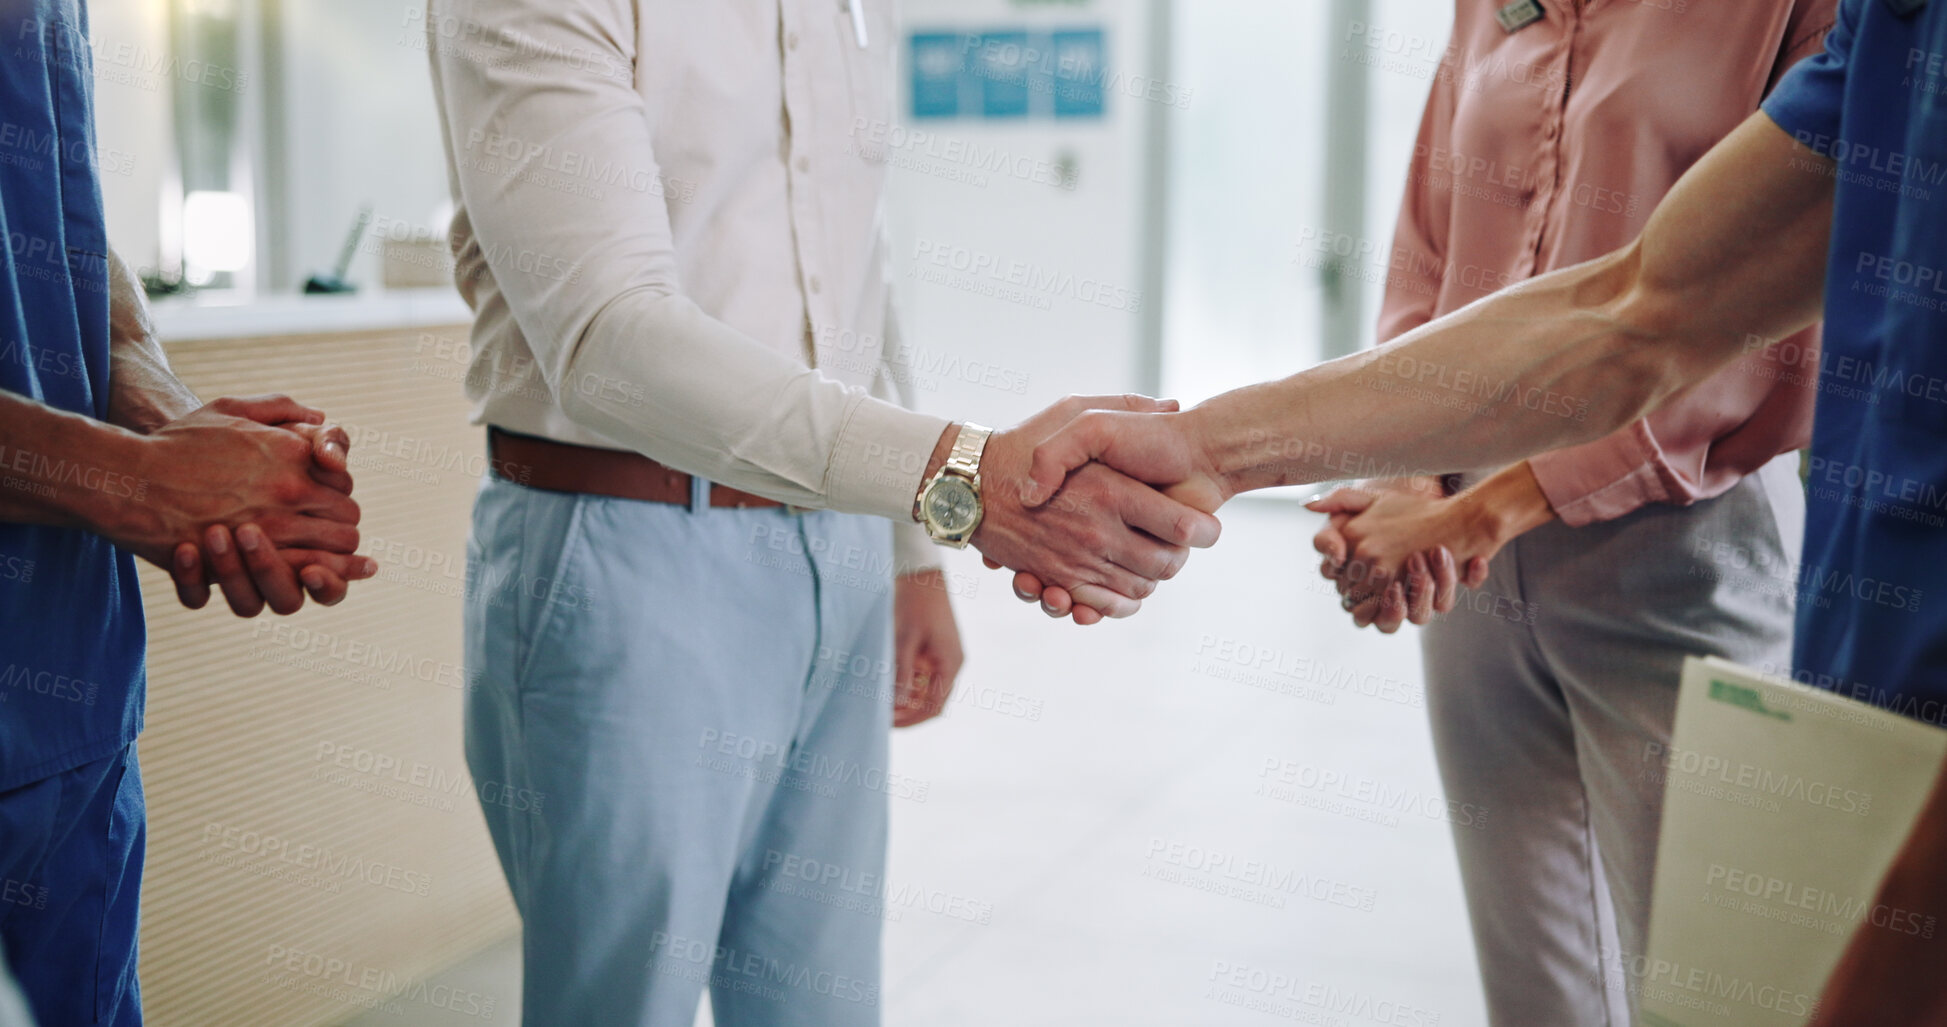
664, 222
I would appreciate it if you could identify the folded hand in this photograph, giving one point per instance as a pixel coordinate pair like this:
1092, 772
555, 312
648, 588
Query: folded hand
261, 486
1396, 548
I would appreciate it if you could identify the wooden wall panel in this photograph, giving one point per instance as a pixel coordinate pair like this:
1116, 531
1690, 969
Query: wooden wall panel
315, 843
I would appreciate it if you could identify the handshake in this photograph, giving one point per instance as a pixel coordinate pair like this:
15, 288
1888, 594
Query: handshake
1113, 491
1095, 501
249, 495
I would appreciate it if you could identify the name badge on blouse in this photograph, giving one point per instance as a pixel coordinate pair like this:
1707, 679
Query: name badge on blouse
1522, 13
1902, 8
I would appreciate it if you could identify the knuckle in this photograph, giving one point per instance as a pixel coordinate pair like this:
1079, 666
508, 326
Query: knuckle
289, 446
287, 489
1173, 563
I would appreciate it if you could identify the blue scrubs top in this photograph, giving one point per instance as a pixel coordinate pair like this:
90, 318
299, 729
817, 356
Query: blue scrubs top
1872, 612
71, 632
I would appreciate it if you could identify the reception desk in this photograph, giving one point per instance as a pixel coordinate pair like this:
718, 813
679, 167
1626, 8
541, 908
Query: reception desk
315, 841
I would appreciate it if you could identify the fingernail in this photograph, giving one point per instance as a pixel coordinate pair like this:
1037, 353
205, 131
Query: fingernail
219, 541
313, 578
248, 539
1024, 595
186, 558
369, 567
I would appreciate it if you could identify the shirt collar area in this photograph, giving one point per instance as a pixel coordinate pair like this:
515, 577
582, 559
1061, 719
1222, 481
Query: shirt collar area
1557, 8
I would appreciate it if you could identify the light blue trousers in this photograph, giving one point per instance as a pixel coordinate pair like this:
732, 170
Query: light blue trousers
677, 721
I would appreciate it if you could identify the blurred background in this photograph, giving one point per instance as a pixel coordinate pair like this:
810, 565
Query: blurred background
1222, 812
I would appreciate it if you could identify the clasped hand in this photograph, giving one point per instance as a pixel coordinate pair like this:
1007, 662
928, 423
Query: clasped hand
1399, 550
254, 496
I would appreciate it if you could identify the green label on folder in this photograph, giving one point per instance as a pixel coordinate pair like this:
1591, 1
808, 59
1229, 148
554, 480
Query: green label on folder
1743, 697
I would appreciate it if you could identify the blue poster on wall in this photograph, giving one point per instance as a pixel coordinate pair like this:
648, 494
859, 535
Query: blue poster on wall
939, 66
1079, 70
1000, 59
1009, 73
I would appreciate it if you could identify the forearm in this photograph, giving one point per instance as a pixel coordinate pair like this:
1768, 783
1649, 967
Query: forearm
143, 393
651, 375
64, 469
1556, 361
1736, 251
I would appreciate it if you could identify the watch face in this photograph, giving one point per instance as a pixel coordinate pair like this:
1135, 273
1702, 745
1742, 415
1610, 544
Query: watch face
952, 506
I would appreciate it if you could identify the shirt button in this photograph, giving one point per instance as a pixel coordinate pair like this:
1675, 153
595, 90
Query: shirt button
817, 286
791, 41
804, 164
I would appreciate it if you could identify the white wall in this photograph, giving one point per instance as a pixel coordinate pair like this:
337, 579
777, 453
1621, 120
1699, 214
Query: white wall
359, 126
1088, 238
132, 121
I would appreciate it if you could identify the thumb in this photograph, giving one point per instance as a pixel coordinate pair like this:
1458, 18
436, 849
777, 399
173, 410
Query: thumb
269, 409
329, 444
329, 447
1136, 402
1346, 499
1331, 545
1066, 451
905, 655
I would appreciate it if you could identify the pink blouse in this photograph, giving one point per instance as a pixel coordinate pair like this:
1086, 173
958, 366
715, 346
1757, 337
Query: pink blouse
1550, 145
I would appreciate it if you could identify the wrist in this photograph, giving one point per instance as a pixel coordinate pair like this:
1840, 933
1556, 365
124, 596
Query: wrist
144, 410
1504, 506
1226, 465
942, 449
104, 511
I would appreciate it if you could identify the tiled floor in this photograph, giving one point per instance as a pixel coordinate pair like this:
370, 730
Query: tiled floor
1221, 812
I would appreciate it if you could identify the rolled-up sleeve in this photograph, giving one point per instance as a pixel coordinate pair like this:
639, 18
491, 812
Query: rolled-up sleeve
591, 277
1694, 447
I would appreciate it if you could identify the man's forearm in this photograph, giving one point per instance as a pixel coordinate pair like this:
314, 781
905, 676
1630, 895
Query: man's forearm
143, 393
1528, 369
1735, 252
64, 469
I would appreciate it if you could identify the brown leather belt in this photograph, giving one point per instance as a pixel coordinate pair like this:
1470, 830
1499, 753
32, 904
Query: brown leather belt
564, 467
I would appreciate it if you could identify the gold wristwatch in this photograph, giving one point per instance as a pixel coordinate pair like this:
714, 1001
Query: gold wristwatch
949, 502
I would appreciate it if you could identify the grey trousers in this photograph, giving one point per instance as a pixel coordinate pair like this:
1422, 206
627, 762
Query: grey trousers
1547, 687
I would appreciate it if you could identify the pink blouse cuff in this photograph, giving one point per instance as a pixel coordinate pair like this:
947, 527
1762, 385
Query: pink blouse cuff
1604, 479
